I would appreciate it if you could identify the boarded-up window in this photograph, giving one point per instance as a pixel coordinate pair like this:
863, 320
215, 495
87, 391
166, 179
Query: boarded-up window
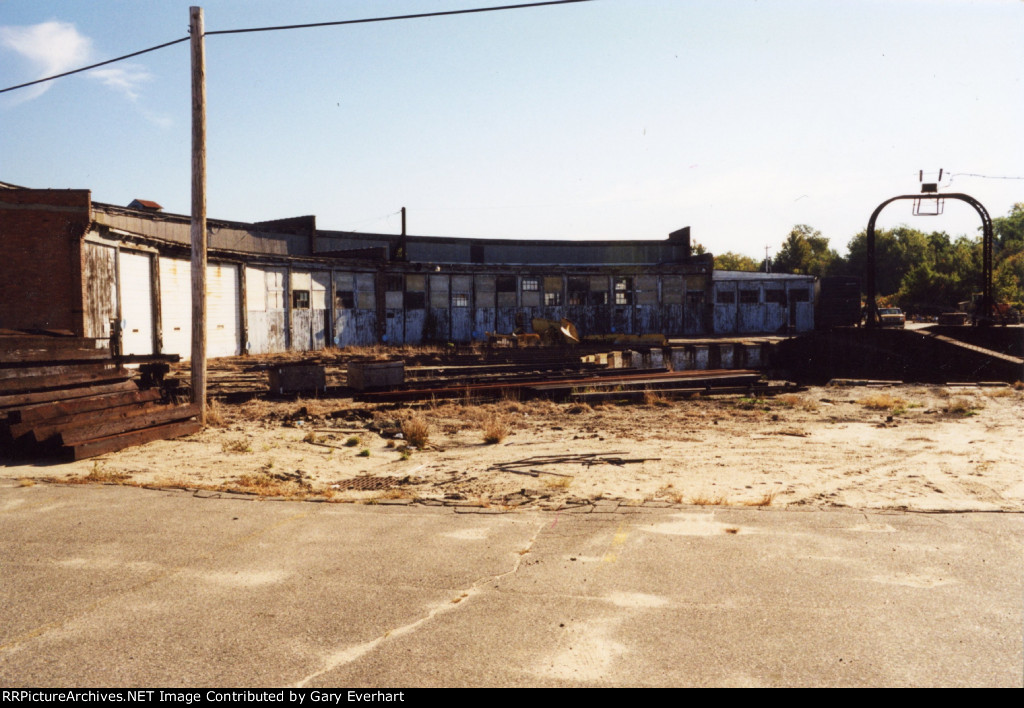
394, 282
485, 291
598, 283
318, 291
578, 291
439, 291
672, 290
366, 299
415, 283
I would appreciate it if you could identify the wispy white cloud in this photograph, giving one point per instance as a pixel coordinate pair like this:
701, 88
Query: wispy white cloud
50, 47
125, 78
55, 47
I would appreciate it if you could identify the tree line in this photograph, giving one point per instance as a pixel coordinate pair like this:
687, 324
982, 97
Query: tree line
920, 272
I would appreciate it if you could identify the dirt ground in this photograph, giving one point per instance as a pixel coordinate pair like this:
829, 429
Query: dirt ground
899, 447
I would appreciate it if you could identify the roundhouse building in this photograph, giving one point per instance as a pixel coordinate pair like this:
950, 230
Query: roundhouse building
96, 269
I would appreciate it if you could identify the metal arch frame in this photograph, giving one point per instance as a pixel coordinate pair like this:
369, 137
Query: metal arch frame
986, 309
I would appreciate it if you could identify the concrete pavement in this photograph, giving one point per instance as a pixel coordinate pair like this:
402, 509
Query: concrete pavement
118, 586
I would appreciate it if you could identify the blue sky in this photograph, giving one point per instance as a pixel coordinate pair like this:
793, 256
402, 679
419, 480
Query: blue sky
598, 120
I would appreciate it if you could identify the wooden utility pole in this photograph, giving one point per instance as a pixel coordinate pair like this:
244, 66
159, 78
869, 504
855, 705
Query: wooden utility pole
198, 211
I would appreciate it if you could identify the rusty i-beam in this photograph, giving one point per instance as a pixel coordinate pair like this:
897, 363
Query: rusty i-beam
987, 301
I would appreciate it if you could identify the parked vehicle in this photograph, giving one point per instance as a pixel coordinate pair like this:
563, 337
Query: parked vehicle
892, 317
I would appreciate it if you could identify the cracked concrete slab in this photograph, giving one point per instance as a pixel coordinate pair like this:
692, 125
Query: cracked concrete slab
112, 586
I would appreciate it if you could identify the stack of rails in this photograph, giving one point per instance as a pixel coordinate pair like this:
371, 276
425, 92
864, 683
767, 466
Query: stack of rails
616, 383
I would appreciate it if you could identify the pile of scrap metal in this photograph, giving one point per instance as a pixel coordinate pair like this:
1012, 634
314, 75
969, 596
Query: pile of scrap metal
63, 397
548, 333
563, 332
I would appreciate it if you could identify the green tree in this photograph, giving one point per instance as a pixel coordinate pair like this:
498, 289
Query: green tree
1010, 227
735, 261
805, 251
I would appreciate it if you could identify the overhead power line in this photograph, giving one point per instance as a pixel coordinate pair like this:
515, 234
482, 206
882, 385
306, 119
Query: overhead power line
93, 66
400, 17
392, 18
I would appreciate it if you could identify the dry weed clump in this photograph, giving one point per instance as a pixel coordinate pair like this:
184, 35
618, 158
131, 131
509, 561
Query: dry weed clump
1001, 392
266, 485
100, 475
792, 400
215, 414
765, 499
962, 407
656, 399
495, 429
882, 402
237, 445
709, 500
552, 482
1018, 385
416, 431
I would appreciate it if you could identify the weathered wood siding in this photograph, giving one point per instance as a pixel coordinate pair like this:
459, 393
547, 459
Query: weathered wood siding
100, 275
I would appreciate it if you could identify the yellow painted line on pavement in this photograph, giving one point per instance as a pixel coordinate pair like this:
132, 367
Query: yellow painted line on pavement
618, 541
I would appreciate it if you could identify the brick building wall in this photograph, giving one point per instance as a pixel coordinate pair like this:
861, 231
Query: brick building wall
41, 232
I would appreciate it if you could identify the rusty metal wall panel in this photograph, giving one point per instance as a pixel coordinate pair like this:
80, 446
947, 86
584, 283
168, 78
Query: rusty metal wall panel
484, 321
346, 332
366, 327
437, 327
136, 302
462, 319
414, 321
672, 320
725, 319
223, 316
622, 320
504, 318
394, 326
804, 316
751, 318
100, 289
647, 319
693, 318
775, 317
